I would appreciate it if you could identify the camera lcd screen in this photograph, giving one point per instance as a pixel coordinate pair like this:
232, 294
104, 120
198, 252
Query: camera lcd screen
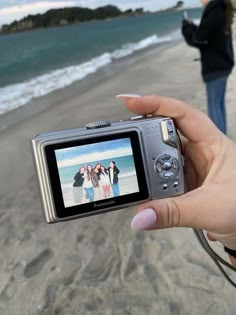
95, 173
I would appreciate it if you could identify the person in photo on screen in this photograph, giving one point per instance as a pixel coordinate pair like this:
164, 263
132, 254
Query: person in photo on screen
98, 193
88, 184
105, 182
78, 189
114, 179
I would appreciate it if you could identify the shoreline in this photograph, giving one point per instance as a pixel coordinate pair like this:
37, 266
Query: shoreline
127, 186
44, 102
122, 16
71, 24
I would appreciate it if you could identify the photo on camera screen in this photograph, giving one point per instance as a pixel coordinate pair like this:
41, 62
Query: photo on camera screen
97, 171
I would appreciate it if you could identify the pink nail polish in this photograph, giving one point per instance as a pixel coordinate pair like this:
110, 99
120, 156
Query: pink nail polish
128, 96
144, 220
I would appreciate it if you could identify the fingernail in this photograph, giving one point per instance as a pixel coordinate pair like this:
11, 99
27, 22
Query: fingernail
122, 96
144, 220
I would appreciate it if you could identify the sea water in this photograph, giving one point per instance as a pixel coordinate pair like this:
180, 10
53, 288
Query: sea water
125, 164
35, 63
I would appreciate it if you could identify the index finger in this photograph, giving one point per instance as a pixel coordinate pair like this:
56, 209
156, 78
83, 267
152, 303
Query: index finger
192, 123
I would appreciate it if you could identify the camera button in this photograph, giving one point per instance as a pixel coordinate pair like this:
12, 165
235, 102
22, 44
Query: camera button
166, 157
158, 167
98, 124
167, 166
175, 164
168, 174
170, 127
136, 117
165, 187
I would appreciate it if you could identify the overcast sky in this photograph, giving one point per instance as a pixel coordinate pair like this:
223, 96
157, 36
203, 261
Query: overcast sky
11, 10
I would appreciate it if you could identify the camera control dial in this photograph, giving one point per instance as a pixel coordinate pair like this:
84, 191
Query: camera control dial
166, 166
98, 124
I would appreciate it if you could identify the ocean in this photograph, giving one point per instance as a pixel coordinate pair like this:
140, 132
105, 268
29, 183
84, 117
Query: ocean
125, 165
35, 63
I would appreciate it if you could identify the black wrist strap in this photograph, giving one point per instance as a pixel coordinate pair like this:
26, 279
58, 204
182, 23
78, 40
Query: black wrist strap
231, 252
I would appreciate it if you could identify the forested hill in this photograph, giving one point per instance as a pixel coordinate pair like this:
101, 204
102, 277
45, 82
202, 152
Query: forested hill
65, 16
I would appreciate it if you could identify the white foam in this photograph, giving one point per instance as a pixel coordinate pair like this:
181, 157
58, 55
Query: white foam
129, 49
17, 95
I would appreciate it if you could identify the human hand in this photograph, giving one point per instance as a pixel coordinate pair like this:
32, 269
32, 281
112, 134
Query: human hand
211, 174
187, 21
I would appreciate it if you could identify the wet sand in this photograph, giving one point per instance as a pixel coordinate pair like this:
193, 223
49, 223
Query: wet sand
97, 265
127, 186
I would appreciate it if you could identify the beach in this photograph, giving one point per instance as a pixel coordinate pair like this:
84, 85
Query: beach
127, 185
98, 265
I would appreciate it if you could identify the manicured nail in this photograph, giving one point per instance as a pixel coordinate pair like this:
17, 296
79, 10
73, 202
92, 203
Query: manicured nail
123, 96
144, 220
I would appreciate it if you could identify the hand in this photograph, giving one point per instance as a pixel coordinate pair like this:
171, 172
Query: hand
188, 21
211, 174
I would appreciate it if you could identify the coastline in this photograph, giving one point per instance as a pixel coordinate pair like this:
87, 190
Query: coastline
41, 103
97, 265
72, 24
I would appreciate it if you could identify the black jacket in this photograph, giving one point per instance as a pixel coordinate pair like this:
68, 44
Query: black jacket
215, 44
115, 174
79, 180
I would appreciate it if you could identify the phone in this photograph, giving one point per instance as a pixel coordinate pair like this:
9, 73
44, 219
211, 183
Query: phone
185, 15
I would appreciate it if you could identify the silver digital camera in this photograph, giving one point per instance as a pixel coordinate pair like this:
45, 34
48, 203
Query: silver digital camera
107, 166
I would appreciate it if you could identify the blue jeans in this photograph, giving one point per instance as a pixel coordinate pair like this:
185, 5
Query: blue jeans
116, 190
89, 194
216, 90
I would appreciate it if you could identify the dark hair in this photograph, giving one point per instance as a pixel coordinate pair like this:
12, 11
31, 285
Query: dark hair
105, 170
81, 168
89, 173
229, 14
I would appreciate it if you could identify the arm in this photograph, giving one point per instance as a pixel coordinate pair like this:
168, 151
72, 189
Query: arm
76, 177
210, 25
189, 32
117, 170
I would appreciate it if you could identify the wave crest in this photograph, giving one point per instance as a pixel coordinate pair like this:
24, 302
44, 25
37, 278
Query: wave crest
17, 95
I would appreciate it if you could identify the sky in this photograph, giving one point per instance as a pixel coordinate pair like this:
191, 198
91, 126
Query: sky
93, 152
11, 10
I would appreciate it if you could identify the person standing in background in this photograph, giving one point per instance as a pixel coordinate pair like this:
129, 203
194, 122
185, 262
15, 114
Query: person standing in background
213, 37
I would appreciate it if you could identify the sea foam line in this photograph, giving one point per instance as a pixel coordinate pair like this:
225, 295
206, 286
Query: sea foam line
17, 95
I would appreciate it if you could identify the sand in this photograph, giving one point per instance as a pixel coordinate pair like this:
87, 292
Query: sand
127, 185
98, 265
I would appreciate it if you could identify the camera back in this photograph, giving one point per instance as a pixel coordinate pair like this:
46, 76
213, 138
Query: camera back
107, 166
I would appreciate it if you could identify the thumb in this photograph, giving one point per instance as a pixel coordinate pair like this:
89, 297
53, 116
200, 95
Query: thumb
196, 209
